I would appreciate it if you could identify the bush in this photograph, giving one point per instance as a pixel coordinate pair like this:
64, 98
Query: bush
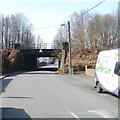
65, 46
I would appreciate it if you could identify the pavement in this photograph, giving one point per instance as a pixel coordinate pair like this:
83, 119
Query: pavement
9, 74
2, 76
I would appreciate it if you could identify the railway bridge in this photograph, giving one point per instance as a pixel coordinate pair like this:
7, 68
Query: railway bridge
30, 56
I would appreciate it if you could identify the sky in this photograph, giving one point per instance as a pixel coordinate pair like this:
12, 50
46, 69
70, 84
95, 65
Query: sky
48, 15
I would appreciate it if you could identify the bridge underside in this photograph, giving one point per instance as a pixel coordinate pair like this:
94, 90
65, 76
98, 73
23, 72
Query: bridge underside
31, 55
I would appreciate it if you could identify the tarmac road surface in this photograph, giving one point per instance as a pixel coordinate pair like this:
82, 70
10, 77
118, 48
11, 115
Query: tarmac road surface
43, 94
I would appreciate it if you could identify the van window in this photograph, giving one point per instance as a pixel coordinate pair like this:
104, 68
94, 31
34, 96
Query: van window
117, 68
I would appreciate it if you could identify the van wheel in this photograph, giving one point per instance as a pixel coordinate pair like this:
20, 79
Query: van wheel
98, 88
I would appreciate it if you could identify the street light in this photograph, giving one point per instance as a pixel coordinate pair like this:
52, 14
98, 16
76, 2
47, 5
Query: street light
70, 56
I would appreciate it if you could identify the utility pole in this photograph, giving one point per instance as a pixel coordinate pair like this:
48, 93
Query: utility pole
70, 56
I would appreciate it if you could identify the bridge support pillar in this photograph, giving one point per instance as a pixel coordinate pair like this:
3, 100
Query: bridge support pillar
62, 62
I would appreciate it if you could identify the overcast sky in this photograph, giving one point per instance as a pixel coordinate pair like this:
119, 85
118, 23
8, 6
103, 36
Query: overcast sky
45, 13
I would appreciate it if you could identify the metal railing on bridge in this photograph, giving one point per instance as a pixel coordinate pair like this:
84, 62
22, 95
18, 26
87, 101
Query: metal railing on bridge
43, 46
49, 46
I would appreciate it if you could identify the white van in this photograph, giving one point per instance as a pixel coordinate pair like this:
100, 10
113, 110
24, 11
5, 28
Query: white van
107, 72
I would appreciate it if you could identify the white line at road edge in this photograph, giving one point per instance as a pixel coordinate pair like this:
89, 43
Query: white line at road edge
102, 113
75, 116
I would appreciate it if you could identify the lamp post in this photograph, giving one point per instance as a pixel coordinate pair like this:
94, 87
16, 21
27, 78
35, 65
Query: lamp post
70, 56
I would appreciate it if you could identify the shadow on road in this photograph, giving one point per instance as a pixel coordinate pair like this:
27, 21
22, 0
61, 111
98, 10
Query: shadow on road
3, 84
9, 113
43, 71
46, 69
108, 93
19, 97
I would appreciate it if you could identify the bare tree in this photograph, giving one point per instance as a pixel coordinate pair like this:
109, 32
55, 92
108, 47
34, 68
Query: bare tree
61, 36
91, 31
16, 29
39, 42
1, 30
95, 32
79, 29
102, 31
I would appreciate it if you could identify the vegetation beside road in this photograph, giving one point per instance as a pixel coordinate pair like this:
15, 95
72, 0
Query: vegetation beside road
82, 58
11, 61
90, 34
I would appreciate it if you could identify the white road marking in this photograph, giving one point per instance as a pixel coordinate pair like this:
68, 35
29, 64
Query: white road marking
74, 115
102, 113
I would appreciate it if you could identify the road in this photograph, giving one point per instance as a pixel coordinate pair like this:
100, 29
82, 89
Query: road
43, 94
